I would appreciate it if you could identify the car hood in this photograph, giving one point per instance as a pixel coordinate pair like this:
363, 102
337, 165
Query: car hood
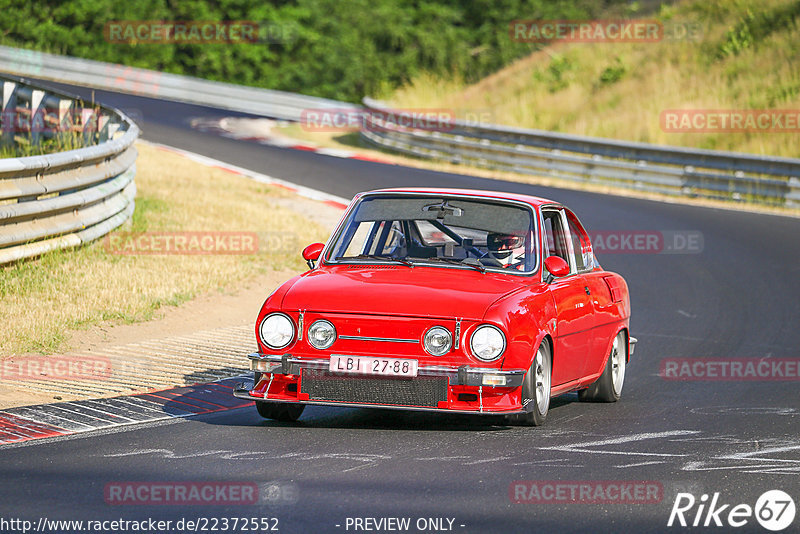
400, 290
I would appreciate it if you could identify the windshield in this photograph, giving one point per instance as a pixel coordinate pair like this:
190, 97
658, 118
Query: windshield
446, 231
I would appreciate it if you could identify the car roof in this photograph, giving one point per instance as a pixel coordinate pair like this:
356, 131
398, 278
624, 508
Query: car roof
528, 199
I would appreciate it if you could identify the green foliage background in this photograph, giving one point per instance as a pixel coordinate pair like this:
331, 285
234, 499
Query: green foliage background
341, 49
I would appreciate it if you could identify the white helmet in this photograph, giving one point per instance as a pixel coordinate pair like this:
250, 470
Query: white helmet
506, 249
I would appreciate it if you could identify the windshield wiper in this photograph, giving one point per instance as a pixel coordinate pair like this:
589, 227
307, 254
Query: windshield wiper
404, 261
476, 263
469, 262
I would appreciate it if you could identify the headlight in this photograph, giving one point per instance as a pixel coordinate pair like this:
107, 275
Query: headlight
438, 340
276, 330
321, 334
487, 343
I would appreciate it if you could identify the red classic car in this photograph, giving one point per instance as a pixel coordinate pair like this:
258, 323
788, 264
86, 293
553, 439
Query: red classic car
447, 300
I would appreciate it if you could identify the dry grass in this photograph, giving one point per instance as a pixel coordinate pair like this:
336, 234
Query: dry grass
42, 300
619, 90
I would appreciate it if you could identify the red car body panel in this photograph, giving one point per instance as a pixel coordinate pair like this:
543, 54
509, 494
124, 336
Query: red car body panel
375, 289
385, 310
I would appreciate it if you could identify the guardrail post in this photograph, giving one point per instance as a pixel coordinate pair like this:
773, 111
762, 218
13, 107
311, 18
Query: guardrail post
103, 127
9, 112
113, 128
65, 112
37, 116
89, 125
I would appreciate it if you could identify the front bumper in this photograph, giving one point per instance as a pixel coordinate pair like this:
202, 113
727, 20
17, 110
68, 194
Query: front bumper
468, 389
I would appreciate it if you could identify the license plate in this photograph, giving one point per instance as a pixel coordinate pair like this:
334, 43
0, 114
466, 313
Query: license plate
368, 365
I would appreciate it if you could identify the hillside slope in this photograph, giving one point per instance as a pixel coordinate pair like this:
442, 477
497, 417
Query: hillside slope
745, 59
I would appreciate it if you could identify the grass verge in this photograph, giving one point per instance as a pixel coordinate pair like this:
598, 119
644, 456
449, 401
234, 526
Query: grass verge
42, 300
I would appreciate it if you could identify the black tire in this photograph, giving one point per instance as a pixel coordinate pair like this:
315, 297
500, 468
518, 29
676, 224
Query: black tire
280, 411
537, 378
608, 388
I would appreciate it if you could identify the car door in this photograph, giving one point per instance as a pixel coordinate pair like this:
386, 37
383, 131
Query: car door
602, 303
574, 313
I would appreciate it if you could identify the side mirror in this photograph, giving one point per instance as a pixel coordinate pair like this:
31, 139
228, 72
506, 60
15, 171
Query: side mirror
311, 253
556, 266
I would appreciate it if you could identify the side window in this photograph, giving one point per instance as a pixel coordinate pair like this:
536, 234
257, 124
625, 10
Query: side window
581, 246
554, 237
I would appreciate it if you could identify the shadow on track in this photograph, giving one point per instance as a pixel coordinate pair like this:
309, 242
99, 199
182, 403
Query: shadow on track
332, 417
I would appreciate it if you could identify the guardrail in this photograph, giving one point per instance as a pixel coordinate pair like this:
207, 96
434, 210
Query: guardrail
68, 198
162, 85
638, 166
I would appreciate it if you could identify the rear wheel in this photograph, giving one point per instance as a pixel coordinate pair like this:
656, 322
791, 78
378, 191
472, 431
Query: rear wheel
536, 390
280, 411
608, 388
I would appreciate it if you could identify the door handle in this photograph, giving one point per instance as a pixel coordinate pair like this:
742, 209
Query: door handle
586, 288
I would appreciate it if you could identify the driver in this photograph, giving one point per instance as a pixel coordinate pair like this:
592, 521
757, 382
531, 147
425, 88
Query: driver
506, 249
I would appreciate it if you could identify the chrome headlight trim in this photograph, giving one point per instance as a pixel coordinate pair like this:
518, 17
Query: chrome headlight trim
480, 353
325, 343
428, 341
277, 320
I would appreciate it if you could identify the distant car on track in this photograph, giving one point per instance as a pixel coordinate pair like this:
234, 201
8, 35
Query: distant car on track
447, 300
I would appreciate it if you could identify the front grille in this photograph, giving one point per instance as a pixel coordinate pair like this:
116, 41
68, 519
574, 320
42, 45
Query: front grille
425, 391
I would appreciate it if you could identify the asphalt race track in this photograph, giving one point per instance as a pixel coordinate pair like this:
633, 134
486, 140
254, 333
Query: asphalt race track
734, 296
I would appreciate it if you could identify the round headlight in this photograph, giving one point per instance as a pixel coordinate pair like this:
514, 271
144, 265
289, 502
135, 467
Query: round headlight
487, 343
276, 330
321, 334
438, 340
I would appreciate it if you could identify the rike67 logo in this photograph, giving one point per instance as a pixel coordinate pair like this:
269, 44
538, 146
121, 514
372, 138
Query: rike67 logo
774, 510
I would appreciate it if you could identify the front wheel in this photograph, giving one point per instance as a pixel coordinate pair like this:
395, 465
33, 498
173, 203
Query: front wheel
536, 390
280, 411
608, 388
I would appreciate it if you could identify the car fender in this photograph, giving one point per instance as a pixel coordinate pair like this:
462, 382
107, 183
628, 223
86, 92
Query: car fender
526, 317
606, 345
